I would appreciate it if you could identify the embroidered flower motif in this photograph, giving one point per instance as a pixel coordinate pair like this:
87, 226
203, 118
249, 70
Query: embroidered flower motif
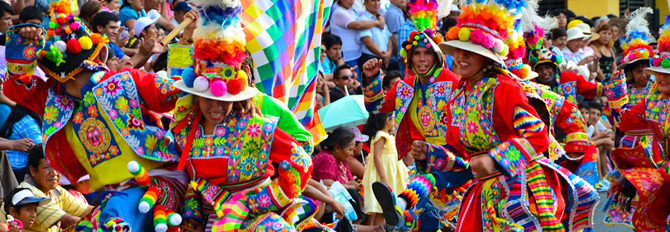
122, 105
112, 88
98, 92
134, 103
285, 165
64, 103
29, 52
125, 131
472, 127
58, 124
209, 141
51, 114
164, 84
78, 118
254, 130
93, 111
297, 156
135, 123
88, 99
112, 114
264, 201
113, 150
220, 131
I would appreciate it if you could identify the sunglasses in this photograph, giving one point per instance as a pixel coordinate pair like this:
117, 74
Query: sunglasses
346, 77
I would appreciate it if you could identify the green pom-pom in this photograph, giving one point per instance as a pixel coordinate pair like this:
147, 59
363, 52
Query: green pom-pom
52, 25
403, 53
464, 34
533, 60
665, 63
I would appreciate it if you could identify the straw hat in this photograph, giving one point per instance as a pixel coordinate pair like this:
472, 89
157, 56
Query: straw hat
218, 54
635, 43
483, 28
586, 30
575, 33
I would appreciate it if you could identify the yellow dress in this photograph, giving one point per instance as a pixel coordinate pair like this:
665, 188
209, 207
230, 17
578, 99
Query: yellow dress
395, 170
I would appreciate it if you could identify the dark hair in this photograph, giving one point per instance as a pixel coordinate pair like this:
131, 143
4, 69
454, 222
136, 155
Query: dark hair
5, 8
126, 3
569, 14
585, 20
102, 19
35, 155
557, 12
338, 70
375, 123
160, 63
339, 137
31, 12
629, 69
557, 33
17, 114
595, 105
390, 76
611, 16
88, 10
331, 40
10, 204
448, 23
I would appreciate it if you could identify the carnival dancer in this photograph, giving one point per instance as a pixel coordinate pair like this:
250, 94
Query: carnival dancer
230, 157
491, 121
644, 191
417, 101
96, 121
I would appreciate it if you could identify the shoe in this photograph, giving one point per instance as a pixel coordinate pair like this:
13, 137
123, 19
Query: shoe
602, 187
386, 200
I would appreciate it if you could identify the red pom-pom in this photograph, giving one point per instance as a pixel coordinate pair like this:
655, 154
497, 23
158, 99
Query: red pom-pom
236, 86
73, 46
50, 33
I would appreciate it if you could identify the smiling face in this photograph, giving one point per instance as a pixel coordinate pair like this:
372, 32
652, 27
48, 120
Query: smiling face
663, 84
545, 73
423, 60
560, 42
470, 64
343, 154
45, 177
214, 111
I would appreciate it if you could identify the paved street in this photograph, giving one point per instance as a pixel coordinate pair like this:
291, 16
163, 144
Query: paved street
599, 226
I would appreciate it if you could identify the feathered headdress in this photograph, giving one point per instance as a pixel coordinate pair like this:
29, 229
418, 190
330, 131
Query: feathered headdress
424, 16
218, 52
486, 23
534, 27
635, 43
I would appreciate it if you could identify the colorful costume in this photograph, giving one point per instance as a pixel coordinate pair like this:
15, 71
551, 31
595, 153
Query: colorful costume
494, 119
247, 173
418, 116
109, 125
638, 197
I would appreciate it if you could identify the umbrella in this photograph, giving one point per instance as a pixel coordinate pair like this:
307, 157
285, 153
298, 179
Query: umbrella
347, 111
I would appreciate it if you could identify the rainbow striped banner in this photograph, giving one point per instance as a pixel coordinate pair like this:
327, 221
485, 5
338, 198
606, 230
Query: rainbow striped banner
284, 40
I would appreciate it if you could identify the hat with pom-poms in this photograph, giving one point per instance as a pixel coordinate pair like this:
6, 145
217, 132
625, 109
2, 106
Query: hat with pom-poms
70, 46
542, 56
218, 52
483, 27
635, 43
661, 63
424, 17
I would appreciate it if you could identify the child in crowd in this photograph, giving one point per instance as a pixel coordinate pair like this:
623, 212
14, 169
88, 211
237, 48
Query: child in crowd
601, 136
21, 204
382, 165
390, 79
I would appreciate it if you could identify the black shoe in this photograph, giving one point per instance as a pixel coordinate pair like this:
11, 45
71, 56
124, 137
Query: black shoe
386, 200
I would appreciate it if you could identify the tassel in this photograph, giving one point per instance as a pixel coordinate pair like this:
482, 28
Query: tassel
140, 174
160, 219
149, 199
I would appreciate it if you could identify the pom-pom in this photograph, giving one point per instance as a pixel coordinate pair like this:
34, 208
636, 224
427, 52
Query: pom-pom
160, 219
50, 33
476, 37
86, 43
499, 46
53, 25
96, 38
134, 167
218, 88
201, 84
488, 41
161, 228
236, 86
645, 54
452, 34
74, 26
57, 31
73, 46
657, 62
665, 63
174, 219
61, 46
150, 197
464, 34
144, 207
403, 53
188, 76
61, 19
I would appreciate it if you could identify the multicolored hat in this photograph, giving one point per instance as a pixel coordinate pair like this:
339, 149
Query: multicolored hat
661, 63
483, 28
635, 43
543, 56
70, 46
517, 44
424, 16
21, 54
218, 53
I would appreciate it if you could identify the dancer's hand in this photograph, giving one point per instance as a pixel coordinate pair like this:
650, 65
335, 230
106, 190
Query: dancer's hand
247, 107
483, 165
371, 69
31, 33
418, 150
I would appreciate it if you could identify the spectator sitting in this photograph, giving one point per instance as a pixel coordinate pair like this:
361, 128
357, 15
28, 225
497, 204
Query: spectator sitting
342, 78
107, 23
5, 17
131, 11
390, 79
22, 205
601, 137
375, 40
332, 59
161, 7
63, 209
331, 165
21, 124
322, 92
562, 18
573, 52
180, 10
111, 5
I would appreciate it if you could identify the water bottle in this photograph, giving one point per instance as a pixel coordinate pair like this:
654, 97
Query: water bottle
124, 33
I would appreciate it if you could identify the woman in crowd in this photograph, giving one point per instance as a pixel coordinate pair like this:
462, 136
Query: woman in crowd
331, 164
88, 10
131, 11
603, 48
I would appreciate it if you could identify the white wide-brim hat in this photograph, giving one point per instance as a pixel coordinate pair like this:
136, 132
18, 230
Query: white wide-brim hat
449, 46
575, 33
652, 70
247, 93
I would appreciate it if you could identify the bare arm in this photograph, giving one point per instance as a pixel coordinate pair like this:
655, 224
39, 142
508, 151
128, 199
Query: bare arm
372, 46
379, 146
68, 220
362, 25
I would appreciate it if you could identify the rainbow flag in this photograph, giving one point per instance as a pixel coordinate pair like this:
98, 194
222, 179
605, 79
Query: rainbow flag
284, 40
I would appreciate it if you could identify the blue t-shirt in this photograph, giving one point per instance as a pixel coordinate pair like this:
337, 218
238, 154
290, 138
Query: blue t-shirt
127, 13
327, 67
117, 51
5, 110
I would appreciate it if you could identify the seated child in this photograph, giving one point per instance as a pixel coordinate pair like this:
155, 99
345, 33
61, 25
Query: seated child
21, 206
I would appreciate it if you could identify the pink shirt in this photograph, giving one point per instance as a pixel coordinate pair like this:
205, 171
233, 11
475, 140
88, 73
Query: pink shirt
326, 167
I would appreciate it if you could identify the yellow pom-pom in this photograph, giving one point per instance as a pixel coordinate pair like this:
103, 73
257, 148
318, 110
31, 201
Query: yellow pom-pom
645, 54
86, 43
464, 34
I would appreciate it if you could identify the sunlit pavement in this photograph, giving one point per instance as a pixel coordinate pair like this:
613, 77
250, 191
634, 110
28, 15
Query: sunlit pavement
599, 226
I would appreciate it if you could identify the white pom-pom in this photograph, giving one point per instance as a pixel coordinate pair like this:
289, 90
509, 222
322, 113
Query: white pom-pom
201, 84
498, 46
174, 220
61, 46
133, 166
144, 207
161, 228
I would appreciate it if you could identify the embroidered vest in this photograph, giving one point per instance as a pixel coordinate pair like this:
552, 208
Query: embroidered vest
473, 116
429, 112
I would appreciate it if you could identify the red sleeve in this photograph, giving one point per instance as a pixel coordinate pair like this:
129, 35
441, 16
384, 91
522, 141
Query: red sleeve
570, 120
295, 165
30, 93
585, 88
159, 94
633, 118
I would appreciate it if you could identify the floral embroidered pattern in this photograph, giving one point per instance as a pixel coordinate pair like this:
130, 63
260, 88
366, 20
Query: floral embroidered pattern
473, 116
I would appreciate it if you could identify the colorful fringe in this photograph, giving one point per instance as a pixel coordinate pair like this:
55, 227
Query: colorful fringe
418, 188
543, 198
211, 194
